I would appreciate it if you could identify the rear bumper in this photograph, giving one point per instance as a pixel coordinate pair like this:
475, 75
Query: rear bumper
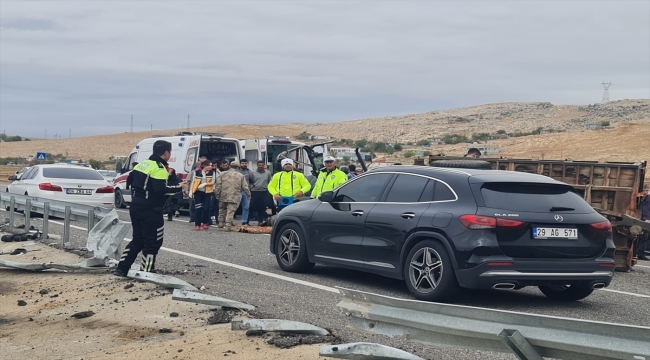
598, 273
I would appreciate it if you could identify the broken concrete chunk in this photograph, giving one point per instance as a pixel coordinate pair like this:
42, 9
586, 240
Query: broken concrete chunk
274, 325
190, 296
83, 314
363, 351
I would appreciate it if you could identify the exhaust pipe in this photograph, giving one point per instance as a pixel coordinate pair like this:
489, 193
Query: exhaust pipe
504, 286
598, 286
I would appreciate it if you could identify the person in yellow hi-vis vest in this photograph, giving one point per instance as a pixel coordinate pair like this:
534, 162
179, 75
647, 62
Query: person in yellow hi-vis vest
329, 179
288, 185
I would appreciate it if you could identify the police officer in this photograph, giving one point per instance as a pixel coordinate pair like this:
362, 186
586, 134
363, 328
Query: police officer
288, 184
150, 191
328, 179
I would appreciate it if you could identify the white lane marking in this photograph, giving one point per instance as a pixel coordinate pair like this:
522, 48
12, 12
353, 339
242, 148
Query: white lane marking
286, 278
626, 293
240, 267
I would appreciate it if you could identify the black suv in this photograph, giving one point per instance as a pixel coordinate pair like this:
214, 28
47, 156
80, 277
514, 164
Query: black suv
441, 229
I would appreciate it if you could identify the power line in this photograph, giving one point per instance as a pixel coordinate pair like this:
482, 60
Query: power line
605, 92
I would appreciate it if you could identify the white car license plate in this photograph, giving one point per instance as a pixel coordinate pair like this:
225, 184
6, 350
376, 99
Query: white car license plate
79, 191
555, 233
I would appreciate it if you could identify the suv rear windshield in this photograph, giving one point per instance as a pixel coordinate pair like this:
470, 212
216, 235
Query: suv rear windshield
71, 173
531, 197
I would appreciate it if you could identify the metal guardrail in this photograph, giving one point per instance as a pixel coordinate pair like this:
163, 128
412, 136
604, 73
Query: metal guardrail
529, 336
50, 207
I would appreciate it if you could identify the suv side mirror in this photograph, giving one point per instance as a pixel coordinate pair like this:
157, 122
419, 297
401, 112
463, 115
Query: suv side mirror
13, 178
326, 196
118, 168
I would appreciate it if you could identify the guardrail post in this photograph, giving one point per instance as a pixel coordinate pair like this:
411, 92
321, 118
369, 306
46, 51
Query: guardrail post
46, 219
28, 214
66, 224
12, 205
519, 345
91, 220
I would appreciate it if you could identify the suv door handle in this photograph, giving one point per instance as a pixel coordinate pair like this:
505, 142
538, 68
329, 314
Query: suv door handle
408, 215
357, 213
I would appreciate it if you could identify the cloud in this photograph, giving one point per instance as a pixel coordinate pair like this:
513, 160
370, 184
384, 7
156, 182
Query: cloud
90, 65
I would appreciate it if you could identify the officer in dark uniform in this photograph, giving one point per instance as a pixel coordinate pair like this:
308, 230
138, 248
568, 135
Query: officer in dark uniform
150, 191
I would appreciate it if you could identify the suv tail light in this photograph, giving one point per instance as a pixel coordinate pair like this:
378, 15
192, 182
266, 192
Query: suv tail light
487, 222
478, 222
604, 225
105, 190
49, 187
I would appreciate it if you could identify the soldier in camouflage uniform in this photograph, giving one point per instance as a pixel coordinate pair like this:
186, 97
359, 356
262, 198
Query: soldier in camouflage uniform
228, 190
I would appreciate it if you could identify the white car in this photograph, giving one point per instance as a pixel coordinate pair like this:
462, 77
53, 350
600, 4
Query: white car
108, 175
71, 183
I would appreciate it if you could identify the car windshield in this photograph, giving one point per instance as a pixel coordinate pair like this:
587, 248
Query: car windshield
532, 197
71, 173
107, 173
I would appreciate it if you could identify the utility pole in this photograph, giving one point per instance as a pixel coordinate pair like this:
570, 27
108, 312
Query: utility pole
46, 133
188, 122
605, 92
131, 123
70, 133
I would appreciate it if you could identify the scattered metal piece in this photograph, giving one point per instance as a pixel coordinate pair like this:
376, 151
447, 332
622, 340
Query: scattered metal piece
22, 266
190, 296
363, 351
105, 238
162, 280
275, 325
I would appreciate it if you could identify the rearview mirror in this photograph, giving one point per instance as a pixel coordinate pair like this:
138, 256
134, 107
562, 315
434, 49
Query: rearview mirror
327, 196
13, 178
118, 168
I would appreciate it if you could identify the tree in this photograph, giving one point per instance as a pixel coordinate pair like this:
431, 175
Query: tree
604, 123
96, 164
346, 160
409, 154
398, 147
361, 143
480, 137
501, 132
424, 142
304, 136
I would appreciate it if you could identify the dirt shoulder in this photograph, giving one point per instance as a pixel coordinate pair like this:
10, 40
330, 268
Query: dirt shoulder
130, 320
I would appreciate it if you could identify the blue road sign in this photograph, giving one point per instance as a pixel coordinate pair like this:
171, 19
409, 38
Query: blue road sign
41, 156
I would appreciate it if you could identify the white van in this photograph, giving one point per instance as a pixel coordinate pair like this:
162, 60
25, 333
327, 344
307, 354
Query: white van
308, 158
186, 149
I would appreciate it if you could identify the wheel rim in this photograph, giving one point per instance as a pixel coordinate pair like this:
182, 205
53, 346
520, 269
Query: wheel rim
425, 270
289, 247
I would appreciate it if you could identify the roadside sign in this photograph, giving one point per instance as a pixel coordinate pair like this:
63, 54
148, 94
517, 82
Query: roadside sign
41, 156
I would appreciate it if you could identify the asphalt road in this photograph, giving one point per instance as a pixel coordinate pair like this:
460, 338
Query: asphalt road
239, 267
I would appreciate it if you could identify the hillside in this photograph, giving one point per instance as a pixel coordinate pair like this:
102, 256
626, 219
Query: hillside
628, 139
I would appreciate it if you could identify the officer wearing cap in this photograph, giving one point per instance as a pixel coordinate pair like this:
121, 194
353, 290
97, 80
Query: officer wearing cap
329, 179
288, 184
149, 180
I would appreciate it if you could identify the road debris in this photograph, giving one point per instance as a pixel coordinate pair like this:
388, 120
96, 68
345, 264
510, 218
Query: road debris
277, 325
83, 314
363, 351
190, 296
162, 280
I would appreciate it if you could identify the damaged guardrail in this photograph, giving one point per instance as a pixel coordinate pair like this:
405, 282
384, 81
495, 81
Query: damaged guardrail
529, 336
49, 207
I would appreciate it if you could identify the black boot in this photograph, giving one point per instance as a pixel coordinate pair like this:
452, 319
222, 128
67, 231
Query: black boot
149, 263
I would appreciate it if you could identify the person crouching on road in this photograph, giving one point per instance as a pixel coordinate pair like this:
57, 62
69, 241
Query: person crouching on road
328, 179
203, 190
288, 184
150, 191
228, 190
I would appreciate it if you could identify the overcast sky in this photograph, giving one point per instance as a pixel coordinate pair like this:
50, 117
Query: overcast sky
90, 65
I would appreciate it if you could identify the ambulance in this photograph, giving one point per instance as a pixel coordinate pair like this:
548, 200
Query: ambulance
271, 149
187, 147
